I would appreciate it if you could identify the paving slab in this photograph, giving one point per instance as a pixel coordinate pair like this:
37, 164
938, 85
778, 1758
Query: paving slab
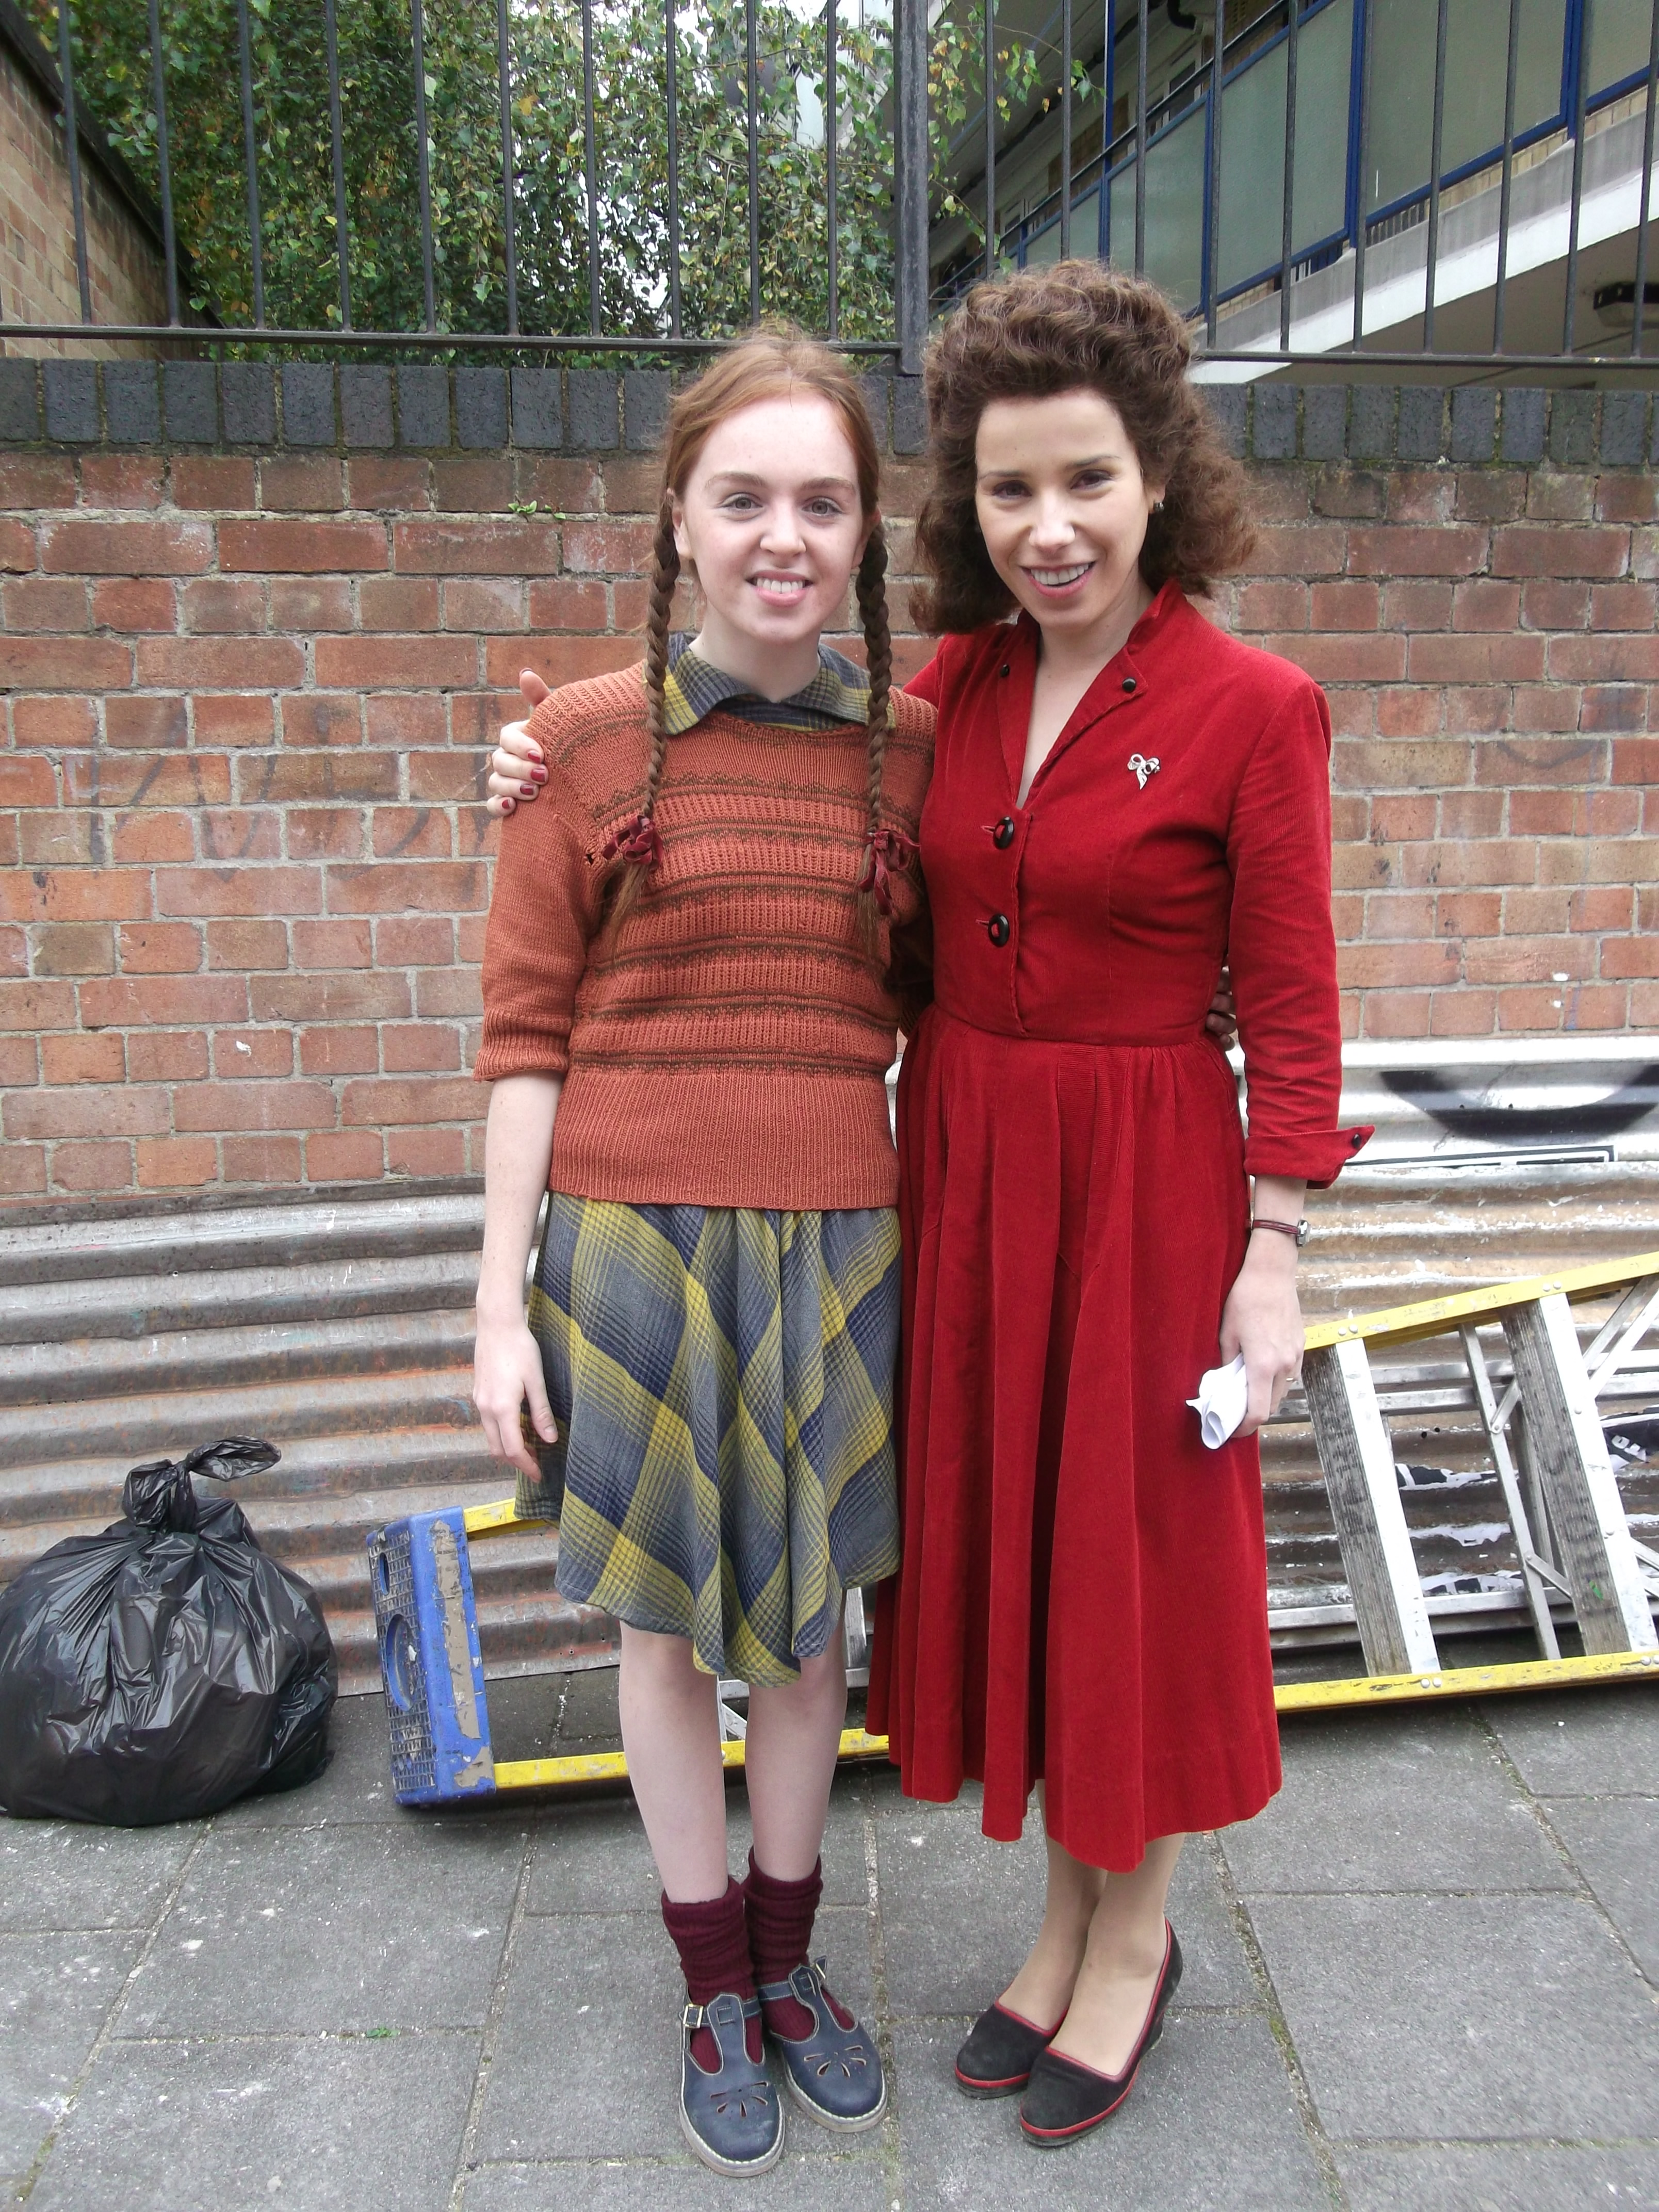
1465, 2017
851, 2182
314, 2124
1589, 1743
355, 1786
60, 1873
1377, 1801
1507, 2177
285, 1931
1614, 1842
1211, 2122
55, 1991
959, 1911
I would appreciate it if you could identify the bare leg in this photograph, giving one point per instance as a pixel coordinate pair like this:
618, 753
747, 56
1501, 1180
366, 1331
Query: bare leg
673, 1739
794, 1733
1120, 1962
1042, 1990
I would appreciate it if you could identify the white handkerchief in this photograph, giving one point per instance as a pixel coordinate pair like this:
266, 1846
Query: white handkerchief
1222, 1397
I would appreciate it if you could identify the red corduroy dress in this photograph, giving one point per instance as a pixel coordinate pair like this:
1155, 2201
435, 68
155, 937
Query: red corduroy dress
1083, 1593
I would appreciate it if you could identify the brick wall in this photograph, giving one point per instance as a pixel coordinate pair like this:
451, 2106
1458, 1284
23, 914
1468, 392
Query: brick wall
37, 282
257, 627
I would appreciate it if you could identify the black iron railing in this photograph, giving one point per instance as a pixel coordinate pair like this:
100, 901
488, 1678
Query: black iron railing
1313, 180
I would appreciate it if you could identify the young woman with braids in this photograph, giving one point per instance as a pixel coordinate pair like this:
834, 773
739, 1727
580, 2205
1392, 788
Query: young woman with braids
688, 1012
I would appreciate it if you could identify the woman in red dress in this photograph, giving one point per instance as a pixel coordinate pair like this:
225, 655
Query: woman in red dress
1123, 798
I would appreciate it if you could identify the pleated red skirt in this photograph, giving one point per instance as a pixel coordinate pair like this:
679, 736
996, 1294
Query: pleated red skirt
1083, 1596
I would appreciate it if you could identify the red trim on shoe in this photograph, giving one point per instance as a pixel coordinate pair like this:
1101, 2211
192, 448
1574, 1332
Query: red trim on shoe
1137, 2053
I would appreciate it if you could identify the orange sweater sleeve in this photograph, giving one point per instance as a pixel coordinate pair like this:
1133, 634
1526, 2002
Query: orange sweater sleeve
542, 914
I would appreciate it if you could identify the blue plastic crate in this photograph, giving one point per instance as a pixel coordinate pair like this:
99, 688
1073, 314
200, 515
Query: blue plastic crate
428, 1630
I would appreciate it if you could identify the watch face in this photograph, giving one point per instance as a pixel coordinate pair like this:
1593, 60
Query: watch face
1301, 1234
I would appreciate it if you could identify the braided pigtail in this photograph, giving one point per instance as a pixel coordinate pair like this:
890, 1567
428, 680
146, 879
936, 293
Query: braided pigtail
636, 842
885, 850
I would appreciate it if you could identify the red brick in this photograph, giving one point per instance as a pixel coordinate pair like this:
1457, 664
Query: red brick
295, 1104
167, 1055
339, 1050
345, 1155
399, 602
92, 1167
1541, 760
16, 548
302, 484
1405, 710
1557, 549
409, 886
1475, 658
1552, 603
47, 603
20, 1060
309, 602
619, 486
1398, 1014
37, 1005
575, 603
128, 1002
1388, 966
1473, 861
324, 718
630, 598
222, 606
510, 548
396, 663
150, 722
415, 941
221, 663
213, 481
1377, 766
234, 834
245, 1055
1611, 906
426, 1152
73, 948
64, 664
165, 779
328, 997
121, 480
238, 890
1397, 917
78, 548
1477, 708
447, 993
1335, 657
333, 945
379, 1103
1485, 602
159, 948
75, 895
36, 480
68, 1058
133, 603
1545, 707
1559, 497
325, 833
234, 718
14, 950
1418, 496
480, 486
53, 840
1463, 1013
108, 1110
1633, 498
262, 1159
286, 778
1607, 707
1545, 813
1526, 959
27, 782
239, 946
566, 659
420, 1047
307, 548
177, 1163
485, 603
396, 486
1613, 658
1469, 914
1636, 760
406, 718
413, 833
1624, 606
1397, 818
1414, 604
1390, 550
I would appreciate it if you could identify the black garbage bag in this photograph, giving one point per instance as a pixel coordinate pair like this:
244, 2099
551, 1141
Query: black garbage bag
160, 1670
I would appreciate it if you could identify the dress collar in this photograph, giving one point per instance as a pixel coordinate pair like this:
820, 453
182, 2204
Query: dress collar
837, 695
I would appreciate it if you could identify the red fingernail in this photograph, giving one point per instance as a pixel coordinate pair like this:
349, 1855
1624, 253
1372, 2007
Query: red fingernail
539, 774
528, 790
536, 753
507, 805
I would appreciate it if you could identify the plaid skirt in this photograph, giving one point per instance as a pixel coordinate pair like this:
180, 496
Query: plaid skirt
722, 1380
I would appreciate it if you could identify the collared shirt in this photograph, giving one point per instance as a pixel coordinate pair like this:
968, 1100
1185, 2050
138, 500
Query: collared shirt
839, 693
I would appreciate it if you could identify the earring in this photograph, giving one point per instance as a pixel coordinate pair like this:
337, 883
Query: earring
1157, 506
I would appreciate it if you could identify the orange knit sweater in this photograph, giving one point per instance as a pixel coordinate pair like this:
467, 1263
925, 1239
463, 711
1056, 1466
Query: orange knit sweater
727, 1045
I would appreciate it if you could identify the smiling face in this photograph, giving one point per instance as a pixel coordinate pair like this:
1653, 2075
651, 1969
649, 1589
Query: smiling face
1063, 506
772, 518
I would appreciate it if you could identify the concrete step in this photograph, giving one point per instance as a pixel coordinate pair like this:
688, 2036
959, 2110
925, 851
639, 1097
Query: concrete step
207, 1359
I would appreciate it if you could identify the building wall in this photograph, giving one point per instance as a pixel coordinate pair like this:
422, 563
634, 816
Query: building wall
257, 628
37, 228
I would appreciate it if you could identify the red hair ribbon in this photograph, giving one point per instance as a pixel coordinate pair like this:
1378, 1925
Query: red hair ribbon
635, 840
890, 851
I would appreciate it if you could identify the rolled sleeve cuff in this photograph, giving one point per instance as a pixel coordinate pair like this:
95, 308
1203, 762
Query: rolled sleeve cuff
511, 1057
1314, 1157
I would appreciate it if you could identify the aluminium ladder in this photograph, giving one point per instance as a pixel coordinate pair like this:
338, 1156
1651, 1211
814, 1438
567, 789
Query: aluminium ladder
1537, 1403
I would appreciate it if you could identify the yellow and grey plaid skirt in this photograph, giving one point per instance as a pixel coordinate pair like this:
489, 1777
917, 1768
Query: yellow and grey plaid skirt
722, 1379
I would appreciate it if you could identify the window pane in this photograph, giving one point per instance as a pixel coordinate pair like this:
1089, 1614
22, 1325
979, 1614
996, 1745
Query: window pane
1323, 66
1477, 43
1175, 210
1620, 31
1253, 169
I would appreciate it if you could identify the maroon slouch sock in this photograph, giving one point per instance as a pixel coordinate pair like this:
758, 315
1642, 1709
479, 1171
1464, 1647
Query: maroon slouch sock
713, 1941
780, 1917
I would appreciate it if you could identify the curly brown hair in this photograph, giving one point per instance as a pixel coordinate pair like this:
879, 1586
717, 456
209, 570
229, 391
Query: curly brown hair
1075, 326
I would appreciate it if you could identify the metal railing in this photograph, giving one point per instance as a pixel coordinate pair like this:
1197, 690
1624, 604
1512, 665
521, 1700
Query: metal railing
1294, 173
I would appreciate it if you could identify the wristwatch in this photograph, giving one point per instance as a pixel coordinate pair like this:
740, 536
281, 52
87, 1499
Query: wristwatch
1297, 1231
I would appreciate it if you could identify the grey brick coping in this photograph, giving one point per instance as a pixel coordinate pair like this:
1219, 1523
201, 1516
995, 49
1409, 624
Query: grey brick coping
318, 406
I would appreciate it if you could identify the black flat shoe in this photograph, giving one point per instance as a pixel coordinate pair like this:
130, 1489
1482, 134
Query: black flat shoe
996, 2060
1065, 2100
